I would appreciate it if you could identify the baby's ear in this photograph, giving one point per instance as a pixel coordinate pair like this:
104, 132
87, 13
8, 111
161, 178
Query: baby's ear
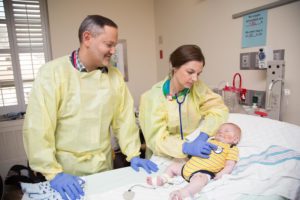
236, 140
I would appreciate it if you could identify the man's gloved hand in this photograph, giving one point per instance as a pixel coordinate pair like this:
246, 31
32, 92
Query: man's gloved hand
199, 147
67, 184
148, 165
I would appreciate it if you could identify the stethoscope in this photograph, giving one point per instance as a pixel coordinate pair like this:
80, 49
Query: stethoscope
184, 93
179, 111
129, 194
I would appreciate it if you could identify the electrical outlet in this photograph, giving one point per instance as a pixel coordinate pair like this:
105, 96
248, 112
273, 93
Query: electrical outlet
287, 92
245, 60
278, 54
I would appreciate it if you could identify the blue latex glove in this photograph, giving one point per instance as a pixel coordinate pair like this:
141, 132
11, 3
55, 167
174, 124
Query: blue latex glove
67, 184
199, 147
148, 165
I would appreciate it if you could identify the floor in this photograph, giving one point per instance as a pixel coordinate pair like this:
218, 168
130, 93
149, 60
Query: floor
12, 193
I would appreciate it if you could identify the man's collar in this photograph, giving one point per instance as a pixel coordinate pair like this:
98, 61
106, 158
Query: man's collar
79, 66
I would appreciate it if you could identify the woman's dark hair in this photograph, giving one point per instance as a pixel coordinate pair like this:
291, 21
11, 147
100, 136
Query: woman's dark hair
92, 23
186, 53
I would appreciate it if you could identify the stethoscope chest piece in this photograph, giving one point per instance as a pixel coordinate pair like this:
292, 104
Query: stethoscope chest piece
218, 150
128, 195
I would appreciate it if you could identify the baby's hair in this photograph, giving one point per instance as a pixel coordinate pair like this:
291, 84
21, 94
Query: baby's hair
237, 127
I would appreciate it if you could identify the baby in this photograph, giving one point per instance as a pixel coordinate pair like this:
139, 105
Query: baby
199, 171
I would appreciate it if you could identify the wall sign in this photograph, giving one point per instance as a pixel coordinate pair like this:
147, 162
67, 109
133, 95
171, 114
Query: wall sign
254, 29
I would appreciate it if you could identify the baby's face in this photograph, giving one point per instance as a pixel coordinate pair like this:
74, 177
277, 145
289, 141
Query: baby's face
228, 133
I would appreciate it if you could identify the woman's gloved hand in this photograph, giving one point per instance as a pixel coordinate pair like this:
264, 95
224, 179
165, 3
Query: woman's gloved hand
199, 147
148, 165
67, 184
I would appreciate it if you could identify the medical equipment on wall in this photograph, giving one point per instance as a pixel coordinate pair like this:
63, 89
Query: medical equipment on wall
275, 81
263, 56
233, 95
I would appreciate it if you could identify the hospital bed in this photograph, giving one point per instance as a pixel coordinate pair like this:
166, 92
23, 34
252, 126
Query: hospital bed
268, 169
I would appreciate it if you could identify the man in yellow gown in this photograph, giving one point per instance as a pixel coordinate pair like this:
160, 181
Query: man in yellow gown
75, 100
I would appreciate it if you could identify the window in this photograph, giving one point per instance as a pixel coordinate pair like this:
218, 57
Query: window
24, 47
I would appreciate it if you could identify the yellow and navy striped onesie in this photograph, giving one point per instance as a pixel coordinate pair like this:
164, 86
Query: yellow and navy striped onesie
214, 163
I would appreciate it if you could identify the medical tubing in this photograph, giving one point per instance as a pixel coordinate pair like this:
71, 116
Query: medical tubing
180, 121
140, 185
179, 109
240, 82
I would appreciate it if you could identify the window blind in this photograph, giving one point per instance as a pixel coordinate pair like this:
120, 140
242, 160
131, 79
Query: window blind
24, 47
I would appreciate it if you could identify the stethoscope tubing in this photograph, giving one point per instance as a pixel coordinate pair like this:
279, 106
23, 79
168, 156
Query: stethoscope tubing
179, 110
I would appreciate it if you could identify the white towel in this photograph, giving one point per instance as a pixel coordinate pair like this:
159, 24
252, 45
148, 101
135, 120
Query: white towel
41, 191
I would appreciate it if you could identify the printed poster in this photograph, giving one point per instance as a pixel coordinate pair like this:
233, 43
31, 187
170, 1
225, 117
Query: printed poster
254, 29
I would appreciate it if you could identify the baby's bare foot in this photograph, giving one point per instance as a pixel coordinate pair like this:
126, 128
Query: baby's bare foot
155, 181
149, 180
179, 195
175, 195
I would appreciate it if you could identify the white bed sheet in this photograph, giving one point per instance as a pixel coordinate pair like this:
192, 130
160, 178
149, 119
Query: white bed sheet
269, 168
260, 133
270, 161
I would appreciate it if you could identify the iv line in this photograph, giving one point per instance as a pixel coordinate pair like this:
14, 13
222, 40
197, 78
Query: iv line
140, 185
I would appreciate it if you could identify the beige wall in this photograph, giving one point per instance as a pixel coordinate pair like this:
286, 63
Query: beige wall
135, 19
209, 24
